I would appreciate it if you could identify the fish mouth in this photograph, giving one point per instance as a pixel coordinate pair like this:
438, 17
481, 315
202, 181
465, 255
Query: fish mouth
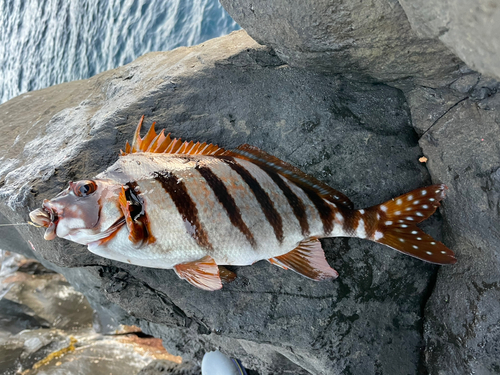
47, 217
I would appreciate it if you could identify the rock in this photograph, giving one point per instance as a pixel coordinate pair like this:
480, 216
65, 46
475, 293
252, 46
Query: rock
357, 137
166, 367
367, 40
470, 29
462, 146
45, 328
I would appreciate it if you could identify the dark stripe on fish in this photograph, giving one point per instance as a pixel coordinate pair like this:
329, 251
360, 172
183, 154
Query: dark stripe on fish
186, 207
351, 220
295, 202
272, 216
227, 202
325, 211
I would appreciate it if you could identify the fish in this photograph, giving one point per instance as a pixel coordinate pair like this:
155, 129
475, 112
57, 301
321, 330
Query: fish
196, 207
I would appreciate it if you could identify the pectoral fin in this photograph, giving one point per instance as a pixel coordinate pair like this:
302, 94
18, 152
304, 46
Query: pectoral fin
307, 259
202, 273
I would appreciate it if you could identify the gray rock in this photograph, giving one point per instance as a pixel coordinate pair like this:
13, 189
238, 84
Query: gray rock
166, 367
462, 316
356, 137
368, 40
471, 29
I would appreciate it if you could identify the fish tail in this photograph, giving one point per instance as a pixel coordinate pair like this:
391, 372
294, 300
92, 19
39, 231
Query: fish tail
393, 224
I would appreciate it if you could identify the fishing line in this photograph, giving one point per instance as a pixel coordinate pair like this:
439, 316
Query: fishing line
28, 223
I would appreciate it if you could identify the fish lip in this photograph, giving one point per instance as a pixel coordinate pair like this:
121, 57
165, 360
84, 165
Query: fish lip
51, 211
48, 217
42, 217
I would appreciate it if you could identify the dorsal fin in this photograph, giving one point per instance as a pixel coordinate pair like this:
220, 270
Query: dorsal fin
294, 174
159, 143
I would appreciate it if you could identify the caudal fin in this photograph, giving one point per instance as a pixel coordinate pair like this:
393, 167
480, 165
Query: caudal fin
396, 225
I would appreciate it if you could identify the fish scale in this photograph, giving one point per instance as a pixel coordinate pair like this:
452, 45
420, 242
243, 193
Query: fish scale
194, 207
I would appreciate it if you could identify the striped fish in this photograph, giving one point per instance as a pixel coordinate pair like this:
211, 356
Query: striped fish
195, 207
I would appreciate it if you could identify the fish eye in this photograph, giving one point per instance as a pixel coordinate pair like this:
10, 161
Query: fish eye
84, 188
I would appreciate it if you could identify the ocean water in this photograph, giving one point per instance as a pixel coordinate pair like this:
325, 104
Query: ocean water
45, 42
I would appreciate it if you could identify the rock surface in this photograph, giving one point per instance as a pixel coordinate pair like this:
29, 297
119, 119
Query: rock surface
366, 39
462, 328
457, 114
46, 328
471, 29
357, 137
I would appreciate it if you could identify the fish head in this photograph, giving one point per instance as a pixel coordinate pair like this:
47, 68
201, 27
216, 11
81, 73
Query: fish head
86, 211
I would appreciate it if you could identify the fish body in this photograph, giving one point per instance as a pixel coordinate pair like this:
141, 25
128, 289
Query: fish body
196, 207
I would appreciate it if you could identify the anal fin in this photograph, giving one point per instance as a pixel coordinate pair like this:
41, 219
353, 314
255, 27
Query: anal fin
202, 273
307, 259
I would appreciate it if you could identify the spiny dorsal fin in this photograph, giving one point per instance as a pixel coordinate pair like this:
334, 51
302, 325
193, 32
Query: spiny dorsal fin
294, 174
159, 143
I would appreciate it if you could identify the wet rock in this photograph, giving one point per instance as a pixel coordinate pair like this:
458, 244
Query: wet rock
357, 137
48, 298
368, 40
63, 342
15, 317
50, 351
27, 348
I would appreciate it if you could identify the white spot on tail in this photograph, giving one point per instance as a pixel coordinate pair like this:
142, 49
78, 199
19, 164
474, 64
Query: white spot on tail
414, 232
383, 208
419, 214
409, 218
378, 235
378, 216
419, 238
399, 201
428, 252
361, 212
360, 230
410, 197
424, 192
404, 226
432, 199
402, 240
388, 223
397, 213
425, 206
443, 252
433, 243
416, 202
415, 246
339, 217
